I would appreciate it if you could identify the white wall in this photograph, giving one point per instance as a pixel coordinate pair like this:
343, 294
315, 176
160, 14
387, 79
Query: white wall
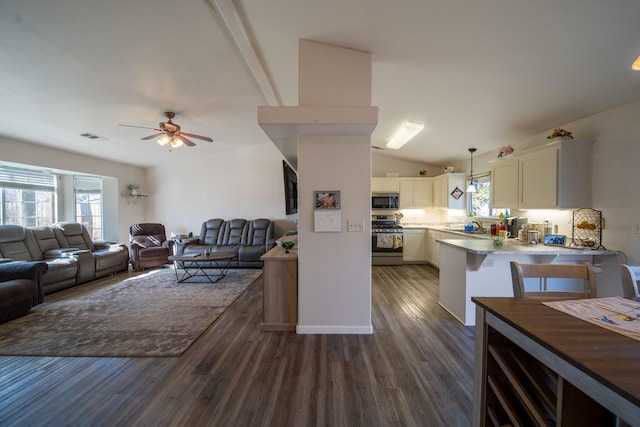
383, 164
334, 269
334, 290
245, 183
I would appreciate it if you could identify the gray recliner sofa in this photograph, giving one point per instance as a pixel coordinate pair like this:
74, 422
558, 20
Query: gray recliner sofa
247, 239
64, 248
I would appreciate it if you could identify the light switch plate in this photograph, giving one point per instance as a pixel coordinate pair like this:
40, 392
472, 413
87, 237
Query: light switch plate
355, 225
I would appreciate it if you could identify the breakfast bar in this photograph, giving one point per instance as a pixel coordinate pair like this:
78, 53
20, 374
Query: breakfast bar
478, 268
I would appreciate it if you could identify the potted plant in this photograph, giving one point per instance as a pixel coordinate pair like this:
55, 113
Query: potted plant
505, 151
560, 134
133, 189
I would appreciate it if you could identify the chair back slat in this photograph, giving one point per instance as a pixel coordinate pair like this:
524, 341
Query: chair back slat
582, 271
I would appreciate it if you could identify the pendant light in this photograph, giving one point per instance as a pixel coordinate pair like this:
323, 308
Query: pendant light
471, 188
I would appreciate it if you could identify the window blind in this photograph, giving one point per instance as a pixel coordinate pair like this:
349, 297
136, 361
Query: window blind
87, 183
26, 178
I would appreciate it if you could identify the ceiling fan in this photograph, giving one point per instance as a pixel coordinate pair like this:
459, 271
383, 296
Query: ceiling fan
170, 133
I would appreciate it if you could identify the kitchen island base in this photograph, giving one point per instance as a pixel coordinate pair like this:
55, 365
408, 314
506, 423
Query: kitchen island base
470, 268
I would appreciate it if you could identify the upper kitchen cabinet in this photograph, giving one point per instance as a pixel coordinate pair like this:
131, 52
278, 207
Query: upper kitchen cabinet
415, 193
443, 186
387, 185
557, 175
504, 183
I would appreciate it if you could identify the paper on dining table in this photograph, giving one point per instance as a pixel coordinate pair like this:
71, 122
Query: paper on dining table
617, 314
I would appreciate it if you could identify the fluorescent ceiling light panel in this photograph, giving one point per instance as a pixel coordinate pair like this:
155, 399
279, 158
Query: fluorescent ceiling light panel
404, 135
636, 64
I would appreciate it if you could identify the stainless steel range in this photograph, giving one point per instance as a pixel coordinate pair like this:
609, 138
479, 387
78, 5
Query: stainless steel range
386, 240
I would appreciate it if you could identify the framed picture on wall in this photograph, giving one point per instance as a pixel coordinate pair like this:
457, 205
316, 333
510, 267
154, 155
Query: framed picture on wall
326, 199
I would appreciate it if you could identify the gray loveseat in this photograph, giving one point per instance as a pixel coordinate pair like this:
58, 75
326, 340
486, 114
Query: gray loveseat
67, 249
248, 240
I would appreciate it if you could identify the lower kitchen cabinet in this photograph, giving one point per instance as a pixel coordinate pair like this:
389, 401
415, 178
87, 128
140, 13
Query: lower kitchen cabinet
414, 245
434, 247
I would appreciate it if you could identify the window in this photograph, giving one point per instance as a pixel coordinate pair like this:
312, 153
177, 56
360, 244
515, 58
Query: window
480, 201
27, 197
88, 194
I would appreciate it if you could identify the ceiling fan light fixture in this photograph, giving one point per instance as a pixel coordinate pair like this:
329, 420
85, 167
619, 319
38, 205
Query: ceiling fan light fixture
164, 140
176, 142
636, 64
405, 134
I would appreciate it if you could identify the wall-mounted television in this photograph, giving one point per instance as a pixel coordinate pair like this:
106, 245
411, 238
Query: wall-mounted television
290, 189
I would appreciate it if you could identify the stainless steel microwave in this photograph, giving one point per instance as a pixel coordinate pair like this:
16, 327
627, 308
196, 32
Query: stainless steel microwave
385, 200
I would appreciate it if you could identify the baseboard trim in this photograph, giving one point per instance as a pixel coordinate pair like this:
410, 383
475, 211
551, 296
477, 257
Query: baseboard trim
334, 330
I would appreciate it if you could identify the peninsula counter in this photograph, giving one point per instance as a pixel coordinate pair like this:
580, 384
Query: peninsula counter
477, 268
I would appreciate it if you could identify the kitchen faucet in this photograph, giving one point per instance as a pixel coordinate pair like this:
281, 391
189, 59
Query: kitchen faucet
480, 228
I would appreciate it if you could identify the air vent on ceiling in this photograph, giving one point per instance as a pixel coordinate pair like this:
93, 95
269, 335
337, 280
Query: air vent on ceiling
93, 136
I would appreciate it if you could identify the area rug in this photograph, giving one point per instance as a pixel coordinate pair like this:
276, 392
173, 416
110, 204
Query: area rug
149, 315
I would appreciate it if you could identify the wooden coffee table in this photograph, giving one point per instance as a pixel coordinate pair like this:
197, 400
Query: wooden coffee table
189, 266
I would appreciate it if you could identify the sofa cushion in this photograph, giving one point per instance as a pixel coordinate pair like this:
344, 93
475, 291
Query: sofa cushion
108, 258
236, 232
73, 235
17, 291
212, 232
148, 241
60, 270
260, 232
18, 243
16, 298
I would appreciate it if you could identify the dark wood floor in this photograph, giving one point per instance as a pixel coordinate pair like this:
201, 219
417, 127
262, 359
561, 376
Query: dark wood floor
415, 370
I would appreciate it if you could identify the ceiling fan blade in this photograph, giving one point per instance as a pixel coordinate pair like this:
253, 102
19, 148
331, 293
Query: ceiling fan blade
155, 135
192, 135
185, 140
141, 127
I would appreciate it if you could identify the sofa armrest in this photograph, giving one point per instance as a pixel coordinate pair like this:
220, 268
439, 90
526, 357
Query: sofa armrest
58, 252
22, 270
75, 253
29, 270
103, 244
182, 243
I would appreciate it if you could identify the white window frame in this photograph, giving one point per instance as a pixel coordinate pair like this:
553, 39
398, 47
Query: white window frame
89, 203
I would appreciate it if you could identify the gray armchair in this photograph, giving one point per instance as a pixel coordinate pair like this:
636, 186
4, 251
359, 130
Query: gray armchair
148, 246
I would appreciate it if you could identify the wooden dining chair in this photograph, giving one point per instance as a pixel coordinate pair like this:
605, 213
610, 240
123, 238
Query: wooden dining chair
548, 271
630, 276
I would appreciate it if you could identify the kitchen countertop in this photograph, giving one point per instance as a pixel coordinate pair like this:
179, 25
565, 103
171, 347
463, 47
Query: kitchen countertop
512, 246
446, 229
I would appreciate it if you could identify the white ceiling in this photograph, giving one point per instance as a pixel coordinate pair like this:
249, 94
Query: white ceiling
481, 73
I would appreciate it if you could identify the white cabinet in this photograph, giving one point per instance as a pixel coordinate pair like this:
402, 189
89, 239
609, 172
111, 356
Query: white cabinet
443, 186
385, 185
414, 245
415, 193
433, 250
557, 175
504, 183
538, 179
